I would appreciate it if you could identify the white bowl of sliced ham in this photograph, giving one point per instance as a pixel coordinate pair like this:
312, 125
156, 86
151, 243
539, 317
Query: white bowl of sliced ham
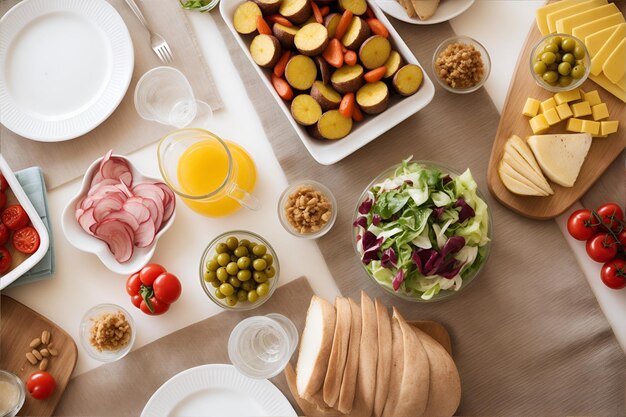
119, 214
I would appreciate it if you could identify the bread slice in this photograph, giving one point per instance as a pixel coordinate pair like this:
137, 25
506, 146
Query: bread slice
315, 346
408, 7
348, 382
338, 353
444, 394
425, 9
383, 365
309, 409
368, 358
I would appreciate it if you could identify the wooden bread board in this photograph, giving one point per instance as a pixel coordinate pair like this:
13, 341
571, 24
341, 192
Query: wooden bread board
20, 325
602, 153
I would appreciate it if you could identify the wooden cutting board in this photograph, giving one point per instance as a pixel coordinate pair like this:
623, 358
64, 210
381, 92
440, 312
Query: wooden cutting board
602, 153
19, 325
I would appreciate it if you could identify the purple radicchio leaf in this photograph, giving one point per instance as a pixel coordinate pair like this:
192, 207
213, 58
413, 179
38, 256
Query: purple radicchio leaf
371, 246
446, 179
450, 268
369, 240
434, 263
376, 219
409, 183
466, 210
398, 279
366, 206
452, 245
361, 221
437, 212
423, 259
389, 258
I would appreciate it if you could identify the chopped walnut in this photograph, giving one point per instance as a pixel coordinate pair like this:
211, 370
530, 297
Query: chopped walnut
460, 65
110, 331
308, 210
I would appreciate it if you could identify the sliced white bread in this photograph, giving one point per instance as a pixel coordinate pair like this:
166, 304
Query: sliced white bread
444, 394
368, 358
517, 183
309, 409
384, 363
425, 9
561, 156
315, 346
348, 382
338, 353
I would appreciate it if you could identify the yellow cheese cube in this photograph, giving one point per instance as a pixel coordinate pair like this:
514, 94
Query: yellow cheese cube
592, 97
581, 109
567, 24
567, 96
547, 104
584, 30
589, 126
539, 124
552, 117
600, 111
531, 108
608, 127
575, 125
564, 111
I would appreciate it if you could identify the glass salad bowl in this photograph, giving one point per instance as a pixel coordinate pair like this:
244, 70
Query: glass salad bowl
422, 231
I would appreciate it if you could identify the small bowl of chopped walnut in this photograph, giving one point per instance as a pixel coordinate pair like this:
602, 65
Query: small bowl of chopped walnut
107, 332
307, 209
461, 64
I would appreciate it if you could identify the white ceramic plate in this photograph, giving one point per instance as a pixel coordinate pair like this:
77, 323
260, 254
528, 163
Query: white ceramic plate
447, 10
216, 390
44, 241
328, 152
65, 66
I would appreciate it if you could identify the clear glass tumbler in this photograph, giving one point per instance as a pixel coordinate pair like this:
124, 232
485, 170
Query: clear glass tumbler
261, 346
164, 95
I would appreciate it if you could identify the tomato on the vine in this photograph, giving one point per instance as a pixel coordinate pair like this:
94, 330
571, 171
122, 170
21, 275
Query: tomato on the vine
580, 225
149, 273
621, 236
602, 247
158, 306
153, 289
133, 284
167, 288
41, 385
613, 274
612, 216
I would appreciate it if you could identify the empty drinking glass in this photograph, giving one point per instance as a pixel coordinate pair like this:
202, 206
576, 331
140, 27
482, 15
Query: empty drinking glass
164, 95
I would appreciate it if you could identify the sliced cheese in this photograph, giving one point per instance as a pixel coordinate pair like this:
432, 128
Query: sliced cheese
542, 13
622, 83
567, 24
561, 156
580, 6
605, 83
615, 65
512, 180
586, 29
520, 165
597, 62
516, 143
525, 163
594, 42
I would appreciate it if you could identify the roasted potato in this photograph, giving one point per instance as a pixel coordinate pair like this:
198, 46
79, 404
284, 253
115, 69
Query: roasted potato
373, 98
245, 16
357, 7
268, 7
305, 110
285, 35
265, 50
332, 125
323, 69
297, 11
331, 21
311, 39
301, 72
408, 80
347, 79
325, 95
393, 64
357, 33
374, 52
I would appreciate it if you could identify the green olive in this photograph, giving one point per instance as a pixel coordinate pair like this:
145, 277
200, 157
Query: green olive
233, 258
244, 262
558, 57
242, 295
263, 289
221, 248
565, 81
568, 44
270, 271
553, 67
550, 77
579, 52
232, 243
234, 282
578, 71
259, 250
219, 294
252, 296
210, 276
551, 47
244, 243
565, 68
231, 300
226, 289
569, 58
216, 283
222, 274
268, 258
244, 275
223, 259
556, 40
540, 67
259, 264
248, 285
212, 265
548, 58
232, 268
259, 276
241, 251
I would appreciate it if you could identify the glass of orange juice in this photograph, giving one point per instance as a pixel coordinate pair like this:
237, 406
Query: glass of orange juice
213, 177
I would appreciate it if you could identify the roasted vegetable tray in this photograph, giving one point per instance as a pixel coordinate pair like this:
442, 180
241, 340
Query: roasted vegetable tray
328, 152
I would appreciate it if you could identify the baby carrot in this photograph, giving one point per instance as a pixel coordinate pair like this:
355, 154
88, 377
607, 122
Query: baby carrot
262, 26
281, 20
378, 28
357, 116
370, 13
346, 107
279, 68
317, 13
343, 24
282, 88
350, 58
333, 53
375, 75
325, 10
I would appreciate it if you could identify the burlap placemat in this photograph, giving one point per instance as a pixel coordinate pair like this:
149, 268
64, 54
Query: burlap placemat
529, 338
124, 130
124, 387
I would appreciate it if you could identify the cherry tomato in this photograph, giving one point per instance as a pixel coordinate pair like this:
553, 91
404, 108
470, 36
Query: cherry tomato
602, 247
133, 284
612, 216
580, 225
4, 234
621, 236
167, 288
149, 273
5, 260
3, 200
15, 217
41, 385
26, 240
136, 300
159, 307
4, 185
613, 274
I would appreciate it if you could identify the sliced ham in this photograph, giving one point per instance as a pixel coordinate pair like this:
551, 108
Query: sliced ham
118, 236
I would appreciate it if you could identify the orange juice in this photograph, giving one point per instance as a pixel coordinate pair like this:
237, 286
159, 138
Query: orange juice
203, 169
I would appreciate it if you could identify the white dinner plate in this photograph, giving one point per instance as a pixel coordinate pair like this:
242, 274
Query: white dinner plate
65, 65
447, 10
216, 390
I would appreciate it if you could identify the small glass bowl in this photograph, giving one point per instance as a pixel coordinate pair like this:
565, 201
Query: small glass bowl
483, 53
557, 88
15, 381
208, 254
282, 216
210, 6
85, 332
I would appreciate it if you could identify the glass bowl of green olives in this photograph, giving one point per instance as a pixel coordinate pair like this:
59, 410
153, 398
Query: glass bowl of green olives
560, 62
239, 270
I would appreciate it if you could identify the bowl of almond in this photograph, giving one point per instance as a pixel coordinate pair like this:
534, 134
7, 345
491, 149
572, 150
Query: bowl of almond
307, 209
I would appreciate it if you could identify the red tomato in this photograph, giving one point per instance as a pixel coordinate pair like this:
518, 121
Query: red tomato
613, 274
133, 284
4, 185
15, 217
5, 260
602, 247
149, 273
4, 234
612, 216
580, 225
167, 288
41, 385
136, 300
26, 240
159, 307
621, 236
3, 200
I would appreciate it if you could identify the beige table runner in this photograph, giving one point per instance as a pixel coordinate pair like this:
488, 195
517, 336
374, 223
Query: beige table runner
124, 387
529, 338
124, 131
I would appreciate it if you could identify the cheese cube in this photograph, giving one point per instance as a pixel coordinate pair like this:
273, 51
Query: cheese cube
600, 111
581, 109
552, 117
531, 108
590, 126
574, 125
564, 111
608, 127
539, 124
593, 97
567, 96
547, 104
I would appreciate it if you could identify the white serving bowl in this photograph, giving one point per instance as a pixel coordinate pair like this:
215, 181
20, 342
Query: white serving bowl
83, 241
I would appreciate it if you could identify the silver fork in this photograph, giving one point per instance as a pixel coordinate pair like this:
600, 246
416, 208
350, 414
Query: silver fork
157, 42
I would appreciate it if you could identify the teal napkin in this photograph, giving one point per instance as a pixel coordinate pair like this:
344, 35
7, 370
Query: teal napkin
31, 180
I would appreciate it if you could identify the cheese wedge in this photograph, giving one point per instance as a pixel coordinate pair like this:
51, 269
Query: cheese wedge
425, 9
615, 65
586, 29
520, 167
517, 183
580, 6
567, 24
542, 13
561, 156
605, 83
594, 42
597, 62
520, 158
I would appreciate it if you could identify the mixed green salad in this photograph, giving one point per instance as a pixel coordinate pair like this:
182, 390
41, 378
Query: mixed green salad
421, 231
